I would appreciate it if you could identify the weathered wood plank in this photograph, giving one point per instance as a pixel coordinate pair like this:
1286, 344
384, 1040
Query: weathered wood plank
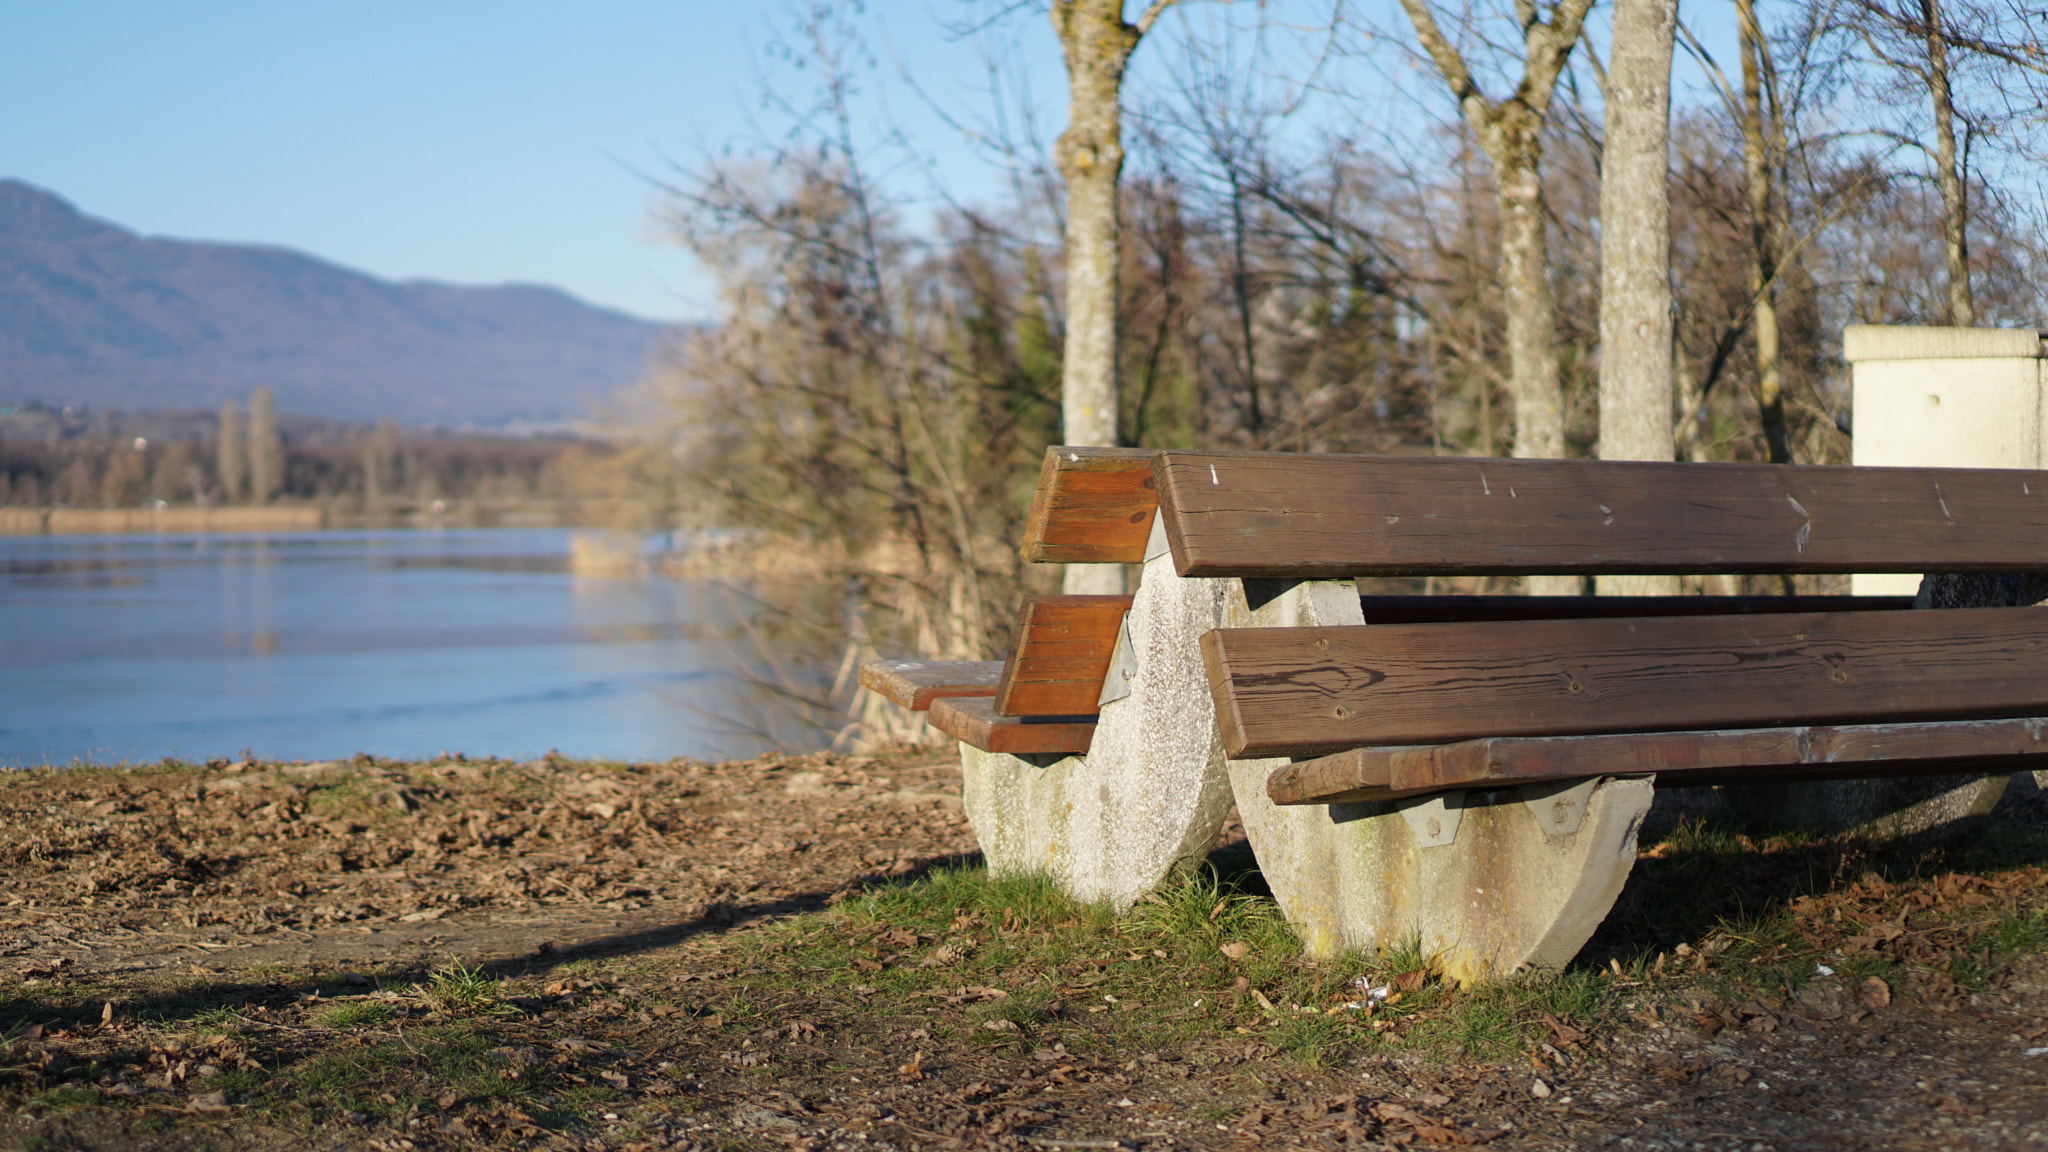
1310, 691
914, 684
973, 720
1093, 506
1679, 759
1451, 609
1278, 515
1064, 646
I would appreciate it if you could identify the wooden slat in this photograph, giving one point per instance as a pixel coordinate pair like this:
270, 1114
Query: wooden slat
1064, 646
1678, 759
973, 720
1310, 691
1450, 609
916, 683
1278, 515
1094, 506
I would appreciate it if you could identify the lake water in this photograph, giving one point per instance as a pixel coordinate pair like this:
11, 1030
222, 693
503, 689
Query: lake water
396, 643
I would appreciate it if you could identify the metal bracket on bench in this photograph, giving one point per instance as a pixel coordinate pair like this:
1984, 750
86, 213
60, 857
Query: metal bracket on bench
1560, 805
1123, 666
1434, 819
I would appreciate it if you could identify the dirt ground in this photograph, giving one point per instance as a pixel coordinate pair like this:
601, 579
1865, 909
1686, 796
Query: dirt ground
565, 955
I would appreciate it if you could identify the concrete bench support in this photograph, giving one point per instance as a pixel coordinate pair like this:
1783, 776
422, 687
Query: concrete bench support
1148, 799
1489, 882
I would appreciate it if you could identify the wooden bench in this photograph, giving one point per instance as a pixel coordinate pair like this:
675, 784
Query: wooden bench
1340, 733
1349, 835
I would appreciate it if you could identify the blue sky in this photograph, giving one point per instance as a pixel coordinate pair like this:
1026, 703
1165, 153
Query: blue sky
449, 139
475, 142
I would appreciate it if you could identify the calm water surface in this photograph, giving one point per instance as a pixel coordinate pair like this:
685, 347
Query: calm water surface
319, 646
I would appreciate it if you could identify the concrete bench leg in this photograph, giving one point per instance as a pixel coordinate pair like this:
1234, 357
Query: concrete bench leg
1488, 882
1148, 799
1882, 809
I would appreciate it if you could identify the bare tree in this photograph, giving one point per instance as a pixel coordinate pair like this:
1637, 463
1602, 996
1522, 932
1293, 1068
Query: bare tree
266, 448
1635, 250
230, 447
1511, 131
1762, 144
1929, 43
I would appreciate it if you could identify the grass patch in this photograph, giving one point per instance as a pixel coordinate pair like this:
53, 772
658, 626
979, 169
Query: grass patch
1198, 963
460, 991
354, 1014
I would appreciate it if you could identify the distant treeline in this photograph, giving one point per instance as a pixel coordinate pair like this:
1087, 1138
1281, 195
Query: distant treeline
69, 458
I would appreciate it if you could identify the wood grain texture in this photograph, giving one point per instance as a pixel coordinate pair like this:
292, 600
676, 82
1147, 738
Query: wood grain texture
1311, 691
1678, 759
973, 720
1064, 646
914, 684
1277, 515
1093, 506
1451, 609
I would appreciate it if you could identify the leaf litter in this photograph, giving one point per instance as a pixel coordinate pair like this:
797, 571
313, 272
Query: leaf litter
620, 967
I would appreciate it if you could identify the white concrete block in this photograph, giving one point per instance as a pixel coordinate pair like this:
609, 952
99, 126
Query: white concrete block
1943, 398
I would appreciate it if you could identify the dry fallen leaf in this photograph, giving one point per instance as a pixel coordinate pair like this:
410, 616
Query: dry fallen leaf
1410, 981
1874, 993
1234, 950
915, 1069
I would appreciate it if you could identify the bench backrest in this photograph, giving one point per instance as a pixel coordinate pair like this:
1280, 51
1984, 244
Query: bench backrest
1271, 515
1308, 691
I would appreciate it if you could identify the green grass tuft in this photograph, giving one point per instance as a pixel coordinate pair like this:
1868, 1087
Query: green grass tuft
460, 991
354, 1014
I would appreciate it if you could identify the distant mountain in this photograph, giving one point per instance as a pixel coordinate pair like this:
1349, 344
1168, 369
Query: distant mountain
93, 314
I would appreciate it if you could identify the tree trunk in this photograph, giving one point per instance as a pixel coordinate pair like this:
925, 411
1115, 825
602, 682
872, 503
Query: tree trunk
1097, 44
1510, 130
1525, 283
1635, 253
1758, 164
1962, 309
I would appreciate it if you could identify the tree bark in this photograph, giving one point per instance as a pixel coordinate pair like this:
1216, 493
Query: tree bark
1635, 253
1510, 130
1758, 163
1097, 43
1962, 309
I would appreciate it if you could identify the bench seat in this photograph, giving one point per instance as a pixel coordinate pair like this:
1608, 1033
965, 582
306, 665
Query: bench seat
914, 684
1676, 759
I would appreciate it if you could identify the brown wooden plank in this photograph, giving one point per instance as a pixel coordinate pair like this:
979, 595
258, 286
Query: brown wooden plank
1064, 646
1094, 506
1678, 759
1310, 691
1451, 609
916, 683
1278, 515
973, 720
